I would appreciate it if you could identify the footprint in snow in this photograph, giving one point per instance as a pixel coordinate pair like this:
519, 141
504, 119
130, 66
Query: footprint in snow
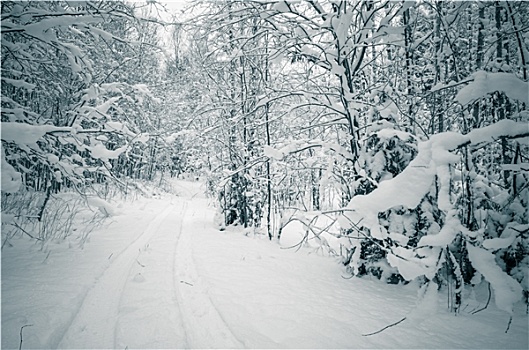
139, 278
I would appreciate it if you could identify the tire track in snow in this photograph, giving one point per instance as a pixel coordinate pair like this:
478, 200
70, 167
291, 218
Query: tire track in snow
94, 324
205, 327
149, 311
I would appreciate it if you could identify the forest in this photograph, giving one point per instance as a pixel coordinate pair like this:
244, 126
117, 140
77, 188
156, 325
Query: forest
394, 133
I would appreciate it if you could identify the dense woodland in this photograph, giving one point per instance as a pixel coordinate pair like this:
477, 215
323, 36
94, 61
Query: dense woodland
398, 130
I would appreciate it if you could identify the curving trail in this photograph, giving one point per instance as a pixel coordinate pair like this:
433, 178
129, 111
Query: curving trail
197, 306
94, 325
151, 296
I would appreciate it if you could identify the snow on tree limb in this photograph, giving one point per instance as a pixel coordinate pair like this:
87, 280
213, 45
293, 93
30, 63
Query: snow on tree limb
26, 134
504, 128
19, 83
11, 179
409, 187
485, 83
506, 289
507, 237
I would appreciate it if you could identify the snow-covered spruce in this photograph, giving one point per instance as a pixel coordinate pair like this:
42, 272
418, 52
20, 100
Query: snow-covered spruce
431, 169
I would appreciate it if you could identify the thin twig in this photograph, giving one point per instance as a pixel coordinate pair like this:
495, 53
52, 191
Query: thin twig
6, 241
46, 199
383, 329
21, 328
509, 324
26, 232
47, 256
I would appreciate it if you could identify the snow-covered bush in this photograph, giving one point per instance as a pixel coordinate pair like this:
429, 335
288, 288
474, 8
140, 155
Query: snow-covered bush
387, 151
428, 190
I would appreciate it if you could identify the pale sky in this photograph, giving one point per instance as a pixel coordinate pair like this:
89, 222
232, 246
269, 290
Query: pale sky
174, 7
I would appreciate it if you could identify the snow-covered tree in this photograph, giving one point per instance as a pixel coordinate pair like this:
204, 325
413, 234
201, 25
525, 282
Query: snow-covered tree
73, 113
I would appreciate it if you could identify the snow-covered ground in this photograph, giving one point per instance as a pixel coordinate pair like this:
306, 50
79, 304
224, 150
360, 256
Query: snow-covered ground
161, 275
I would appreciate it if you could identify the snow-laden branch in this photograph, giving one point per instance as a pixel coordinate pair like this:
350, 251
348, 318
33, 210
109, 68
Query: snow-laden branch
484, 83
300, 146
410, 186
26, 137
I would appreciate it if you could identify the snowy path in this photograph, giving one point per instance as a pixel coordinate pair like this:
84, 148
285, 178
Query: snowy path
162, 276
204, 325
139, 278
138, 301
151, 295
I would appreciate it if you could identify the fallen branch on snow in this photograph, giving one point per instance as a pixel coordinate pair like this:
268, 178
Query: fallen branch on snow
383, 329
21, 328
